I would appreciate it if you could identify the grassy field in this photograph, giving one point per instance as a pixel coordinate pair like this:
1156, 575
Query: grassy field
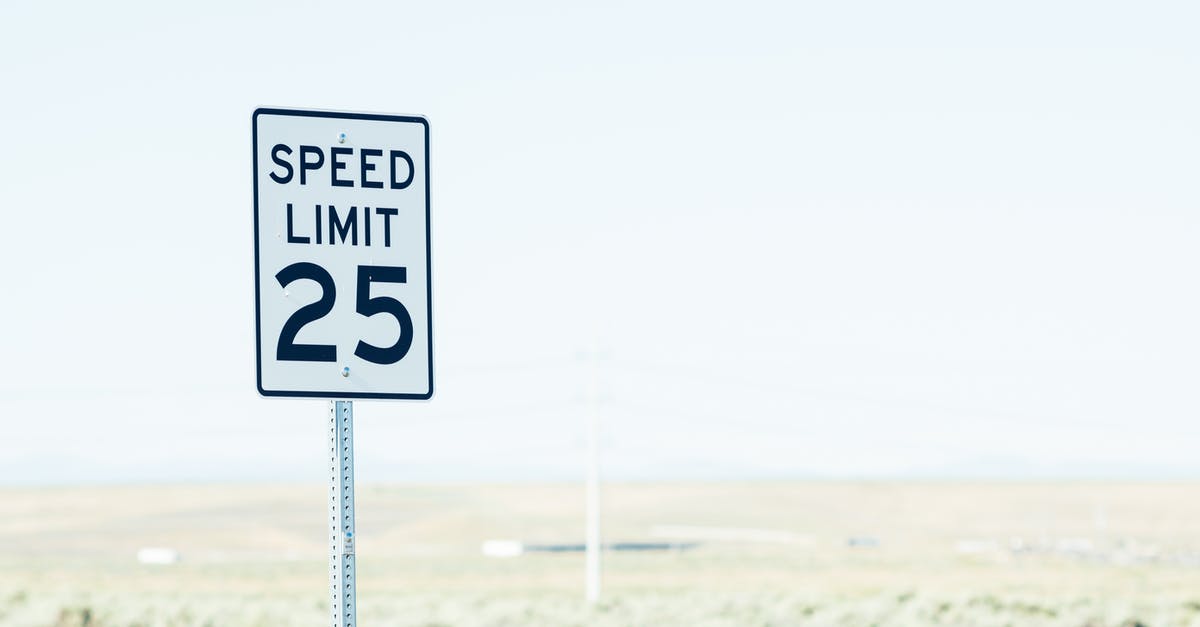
1075, 554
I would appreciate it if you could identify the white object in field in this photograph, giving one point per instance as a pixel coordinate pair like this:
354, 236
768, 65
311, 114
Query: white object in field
1076, 546
592, 531
157, 556
976, 547
502, 548
341, 513
342, 273
728, 534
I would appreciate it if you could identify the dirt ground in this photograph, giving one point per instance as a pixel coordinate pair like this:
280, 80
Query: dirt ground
766, 553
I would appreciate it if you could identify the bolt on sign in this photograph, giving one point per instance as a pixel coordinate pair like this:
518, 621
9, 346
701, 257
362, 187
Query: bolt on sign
342, 274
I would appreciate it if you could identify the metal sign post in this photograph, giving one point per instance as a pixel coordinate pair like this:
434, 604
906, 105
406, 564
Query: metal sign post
341, 513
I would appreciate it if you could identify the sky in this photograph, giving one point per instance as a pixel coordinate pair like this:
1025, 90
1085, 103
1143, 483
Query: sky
762, 240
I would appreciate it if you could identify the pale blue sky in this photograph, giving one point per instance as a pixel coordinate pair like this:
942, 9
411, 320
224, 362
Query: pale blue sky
810, 239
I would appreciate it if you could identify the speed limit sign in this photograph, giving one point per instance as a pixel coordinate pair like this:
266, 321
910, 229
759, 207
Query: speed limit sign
341, 255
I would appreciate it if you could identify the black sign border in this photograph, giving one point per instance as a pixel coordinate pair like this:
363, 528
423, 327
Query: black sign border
341, 115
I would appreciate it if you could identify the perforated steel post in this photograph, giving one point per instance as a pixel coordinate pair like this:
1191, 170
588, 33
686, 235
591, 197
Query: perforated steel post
341, 513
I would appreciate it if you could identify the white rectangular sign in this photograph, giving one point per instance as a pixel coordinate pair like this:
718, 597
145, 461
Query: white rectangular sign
341, 255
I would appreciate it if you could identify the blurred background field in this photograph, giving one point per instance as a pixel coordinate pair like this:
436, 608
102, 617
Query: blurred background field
758, 553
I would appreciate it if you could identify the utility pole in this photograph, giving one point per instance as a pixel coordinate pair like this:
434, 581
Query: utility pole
593, 546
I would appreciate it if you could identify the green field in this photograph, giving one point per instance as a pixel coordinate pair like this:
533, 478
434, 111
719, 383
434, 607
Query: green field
816, 554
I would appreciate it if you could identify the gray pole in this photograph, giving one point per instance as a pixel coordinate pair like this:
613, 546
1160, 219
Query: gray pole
592, 545
341, 513
592, 531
